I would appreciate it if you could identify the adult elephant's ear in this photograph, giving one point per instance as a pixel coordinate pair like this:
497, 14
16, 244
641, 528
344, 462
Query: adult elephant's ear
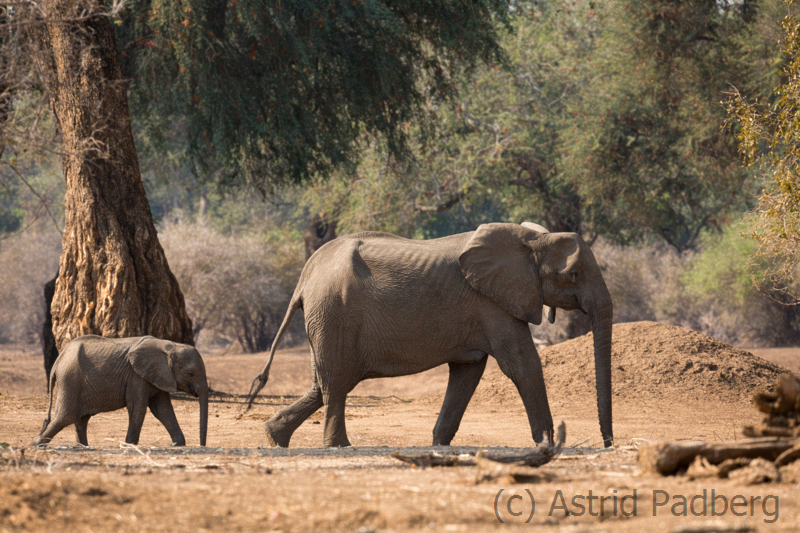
149, 360
498, 262
535, 227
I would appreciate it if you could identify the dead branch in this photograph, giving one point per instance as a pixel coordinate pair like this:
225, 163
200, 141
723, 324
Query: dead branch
538, 456
425, 460
668, 458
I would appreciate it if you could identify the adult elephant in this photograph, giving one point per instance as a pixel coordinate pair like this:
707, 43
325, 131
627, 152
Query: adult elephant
48, 339
378, 305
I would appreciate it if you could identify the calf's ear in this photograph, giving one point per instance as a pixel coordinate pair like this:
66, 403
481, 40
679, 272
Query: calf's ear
149, 359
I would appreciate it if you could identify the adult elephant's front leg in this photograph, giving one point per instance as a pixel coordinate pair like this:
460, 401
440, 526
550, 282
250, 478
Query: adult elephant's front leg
520, 362
464, 378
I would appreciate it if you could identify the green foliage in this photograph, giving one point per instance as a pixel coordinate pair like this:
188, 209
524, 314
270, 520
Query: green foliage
275, 92
30, 192
607, 122
645, 150
769, 139
31, 182
708, 290
721, 271
492, 156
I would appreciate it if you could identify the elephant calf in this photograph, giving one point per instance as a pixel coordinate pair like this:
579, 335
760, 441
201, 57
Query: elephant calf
97, 374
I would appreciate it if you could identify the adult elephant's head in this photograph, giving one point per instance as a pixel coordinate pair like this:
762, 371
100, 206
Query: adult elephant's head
522, 268
171, 367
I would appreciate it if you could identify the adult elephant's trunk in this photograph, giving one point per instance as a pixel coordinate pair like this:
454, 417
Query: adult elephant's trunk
602, 316
203, 394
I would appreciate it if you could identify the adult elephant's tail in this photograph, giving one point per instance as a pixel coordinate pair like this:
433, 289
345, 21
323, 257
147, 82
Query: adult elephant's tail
261, 379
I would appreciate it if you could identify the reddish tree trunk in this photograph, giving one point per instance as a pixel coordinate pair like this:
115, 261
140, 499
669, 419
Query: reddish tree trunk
113, 277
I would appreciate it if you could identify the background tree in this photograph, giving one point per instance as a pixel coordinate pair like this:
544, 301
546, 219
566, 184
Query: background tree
768, 139
607, 122
491, 155
272, 93
645, 150
263, 94
113, 277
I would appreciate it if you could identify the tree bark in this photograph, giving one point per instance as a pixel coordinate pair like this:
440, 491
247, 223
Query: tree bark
114, 279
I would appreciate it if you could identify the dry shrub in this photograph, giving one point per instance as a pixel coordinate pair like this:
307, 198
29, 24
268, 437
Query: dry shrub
238, 286
28, 260
708, 291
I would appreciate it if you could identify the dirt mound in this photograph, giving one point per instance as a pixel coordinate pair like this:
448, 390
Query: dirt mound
649, 361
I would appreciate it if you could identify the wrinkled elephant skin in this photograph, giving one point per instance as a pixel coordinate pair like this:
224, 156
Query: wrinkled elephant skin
96, 374
377, 305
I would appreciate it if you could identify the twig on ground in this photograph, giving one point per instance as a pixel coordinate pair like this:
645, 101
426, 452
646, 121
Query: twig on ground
126, 446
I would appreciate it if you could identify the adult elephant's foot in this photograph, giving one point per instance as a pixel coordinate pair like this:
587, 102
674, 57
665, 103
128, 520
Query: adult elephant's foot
277, 435
341, 442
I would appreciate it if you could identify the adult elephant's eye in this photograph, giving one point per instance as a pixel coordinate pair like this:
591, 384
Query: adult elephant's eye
191, 374
573, 276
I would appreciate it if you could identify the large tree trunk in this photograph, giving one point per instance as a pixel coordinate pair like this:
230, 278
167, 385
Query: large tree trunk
113, 277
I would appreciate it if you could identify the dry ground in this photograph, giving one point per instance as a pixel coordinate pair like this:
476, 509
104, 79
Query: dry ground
237, 485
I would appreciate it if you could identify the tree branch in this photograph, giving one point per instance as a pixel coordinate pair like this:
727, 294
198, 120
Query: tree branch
42, 200
454, 199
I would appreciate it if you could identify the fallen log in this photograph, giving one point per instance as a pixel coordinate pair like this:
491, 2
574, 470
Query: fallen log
425, 460
758, 471
667, 458
701, 468
541, 454
789, 456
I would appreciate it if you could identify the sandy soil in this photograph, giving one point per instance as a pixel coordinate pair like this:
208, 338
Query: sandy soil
237, 484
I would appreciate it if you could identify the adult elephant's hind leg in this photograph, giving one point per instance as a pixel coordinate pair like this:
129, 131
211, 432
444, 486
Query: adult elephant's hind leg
52, 429
335, 429
464, 378
280, 427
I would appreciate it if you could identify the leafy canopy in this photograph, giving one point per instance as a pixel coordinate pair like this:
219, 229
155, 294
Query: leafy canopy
608, 122
645, 151
273, 92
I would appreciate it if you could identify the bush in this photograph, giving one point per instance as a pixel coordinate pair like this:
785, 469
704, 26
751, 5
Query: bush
709, 291
732, 308
236, 286
28, 260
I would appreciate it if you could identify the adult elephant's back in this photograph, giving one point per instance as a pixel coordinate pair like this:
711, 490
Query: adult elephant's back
376, 288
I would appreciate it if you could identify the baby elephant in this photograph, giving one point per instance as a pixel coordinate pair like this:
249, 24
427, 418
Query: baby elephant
98, 374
